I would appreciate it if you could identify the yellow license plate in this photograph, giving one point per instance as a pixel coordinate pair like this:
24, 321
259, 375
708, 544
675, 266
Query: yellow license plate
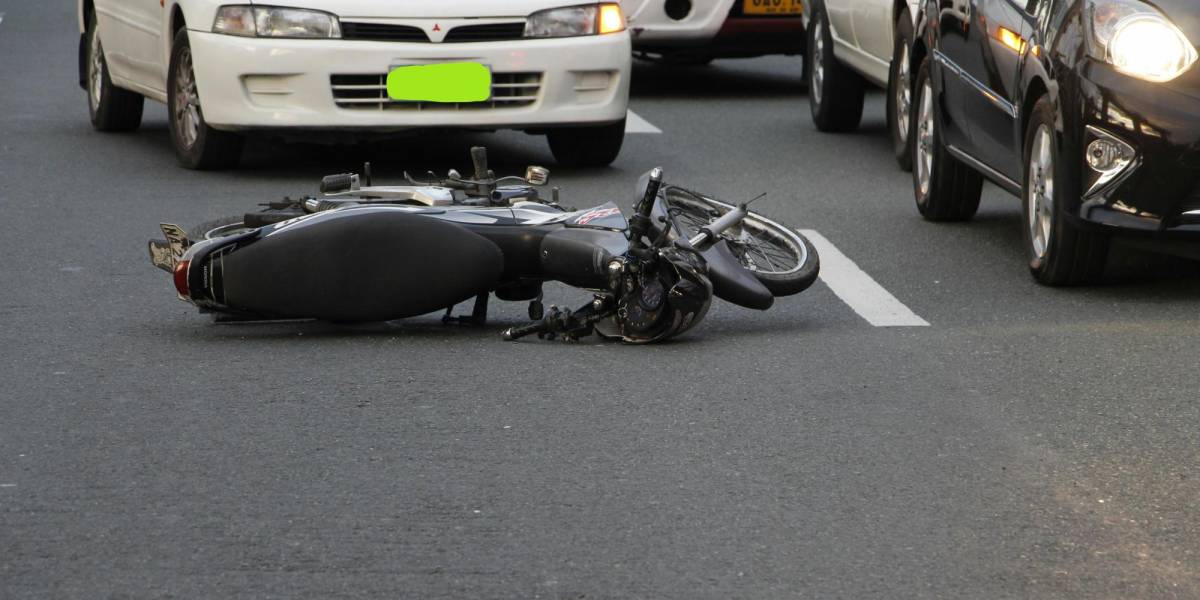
772, 7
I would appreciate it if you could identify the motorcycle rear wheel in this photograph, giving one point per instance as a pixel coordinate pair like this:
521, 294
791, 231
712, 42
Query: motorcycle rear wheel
782, 259
217, 228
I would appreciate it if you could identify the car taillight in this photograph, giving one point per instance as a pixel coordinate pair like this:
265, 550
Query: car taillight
181, 278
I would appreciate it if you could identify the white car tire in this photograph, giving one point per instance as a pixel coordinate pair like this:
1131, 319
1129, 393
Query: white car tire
110, 107
835, 92
900, 91
588, 146
197, 145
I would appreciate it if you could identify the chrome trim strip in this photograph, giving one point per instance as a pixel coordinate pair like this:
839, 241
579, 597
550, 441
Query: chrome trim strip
995, 176
1009, 108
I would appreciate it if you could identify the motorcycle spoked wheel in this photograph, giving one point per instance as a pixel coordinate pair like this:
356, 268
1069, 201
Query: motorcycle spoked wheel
782, 259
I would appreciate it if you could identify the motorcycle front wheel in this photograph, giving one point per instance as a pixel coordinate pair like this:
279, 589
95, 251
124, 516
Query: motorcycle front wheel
782, 259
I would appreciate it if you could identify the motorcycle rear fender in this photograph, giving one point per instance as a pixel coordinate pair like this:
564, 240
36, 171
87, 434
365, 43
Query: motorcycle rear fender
359, 265
732, 282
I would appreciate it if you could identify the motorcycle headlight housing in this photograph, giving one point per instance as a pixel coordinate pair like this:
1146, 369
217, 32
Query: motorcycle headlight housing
1138, 40
570, 21
276, 22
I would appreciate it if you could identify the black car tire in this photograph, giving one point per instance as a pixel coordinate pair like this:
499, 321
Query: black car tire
900, 91
1060, 252
950, 190
591, 146
835, 92
204, 148
110, 107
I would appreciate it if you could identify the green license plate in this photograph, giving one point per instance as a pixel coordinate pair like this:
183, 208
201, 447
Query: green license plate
442, 82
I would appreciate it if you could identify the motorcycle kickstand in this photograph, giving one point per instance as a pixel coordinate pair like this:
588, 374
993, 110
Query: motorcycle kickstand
478, 316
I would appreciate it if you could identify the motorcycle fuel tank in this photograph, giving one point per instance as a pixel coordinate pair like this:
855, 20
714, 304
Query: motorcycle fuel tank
364, 264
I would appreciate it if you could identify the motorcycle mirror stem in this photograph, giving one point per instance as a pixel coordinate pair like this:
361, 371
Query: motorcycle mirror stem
479, 160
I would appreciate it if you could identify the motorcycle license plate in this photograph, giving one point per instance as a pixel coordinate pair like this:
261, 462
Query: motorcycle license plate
772, 7
442, 82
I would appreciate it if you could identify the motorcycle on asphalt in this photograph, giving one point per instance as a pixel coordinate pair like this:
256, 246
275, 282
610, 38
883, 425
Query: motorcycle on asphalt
359, 253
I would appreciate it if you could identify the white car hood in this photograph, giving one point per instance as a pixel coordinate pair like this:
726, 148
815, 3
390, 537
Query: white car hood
408, 9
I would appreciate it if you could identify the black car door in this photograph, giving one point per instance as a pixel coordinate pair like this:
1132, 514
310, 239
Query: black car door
953, 27
998, 40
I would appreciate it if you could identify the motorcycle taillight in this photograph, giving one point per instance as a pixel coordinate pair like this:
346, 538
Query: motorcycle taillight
181, 278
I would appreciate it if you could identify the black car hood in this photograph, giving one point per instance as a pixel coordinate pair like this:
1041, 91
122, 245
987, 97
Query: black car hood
1185, 14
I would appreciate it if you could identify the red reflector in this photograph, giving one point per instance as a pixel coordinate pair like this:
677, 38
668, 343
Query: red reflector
181, 277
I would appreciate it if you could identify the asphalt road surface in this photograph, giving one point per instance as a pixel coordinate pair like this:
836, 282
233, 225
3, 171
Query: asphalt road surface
1027, 443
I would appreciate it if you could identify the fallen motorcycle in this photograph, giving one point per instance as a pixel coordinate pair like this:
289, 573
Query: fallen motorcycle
359, 252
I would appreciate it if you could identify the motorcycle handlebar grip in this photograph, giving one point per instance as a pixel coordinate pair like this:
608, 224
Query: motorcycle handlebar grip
515, 333
480, 162
342, 182
652, 187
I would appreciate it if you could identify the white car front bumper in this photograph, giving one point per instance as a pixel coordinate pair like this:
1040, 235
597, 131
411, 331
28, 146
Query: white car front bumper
253, 83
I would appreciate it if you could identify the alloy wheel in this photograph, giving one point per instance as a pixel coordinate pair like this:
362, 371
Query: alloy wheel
818, 62
925, 130
187, 101
95, 71
1040, 191
903, 94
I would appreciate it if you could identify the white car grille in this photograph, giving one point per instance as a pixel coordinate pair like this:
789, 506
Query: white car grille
369, 92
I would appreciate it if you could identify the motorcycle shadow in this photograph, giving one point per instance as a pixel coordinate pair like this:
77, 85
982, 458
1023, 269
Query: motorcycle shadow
430, 328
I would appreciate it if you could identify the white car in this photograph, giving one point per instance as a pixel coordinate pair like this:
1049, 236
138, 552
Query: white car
855, 42
324, 65
697, 31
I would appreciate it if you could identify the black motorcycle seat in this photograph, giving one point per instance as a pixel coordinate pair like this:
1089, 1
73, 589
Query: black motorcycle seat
366, 264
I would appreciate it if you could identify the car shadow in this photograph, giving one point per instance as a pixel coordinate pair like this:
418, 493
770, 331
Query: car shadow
268, 156
732, 78
1132, 273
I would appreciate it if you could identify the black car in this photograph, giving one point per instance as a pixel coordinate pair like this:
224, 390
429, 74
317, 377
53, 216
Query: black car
1089, 110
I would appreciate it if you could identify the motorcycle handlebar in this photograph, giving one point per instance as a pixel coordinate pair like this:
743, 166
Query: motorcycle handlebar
653, 185
639, 223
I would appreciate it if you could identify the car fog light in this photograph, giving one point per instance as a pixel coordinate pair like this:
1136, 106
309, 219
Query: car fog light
1105, 155
1110, 158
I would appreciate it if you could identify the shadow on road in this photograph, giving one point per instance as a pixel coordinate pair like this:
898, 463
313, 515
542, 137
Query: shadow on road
722, 79
1132, 273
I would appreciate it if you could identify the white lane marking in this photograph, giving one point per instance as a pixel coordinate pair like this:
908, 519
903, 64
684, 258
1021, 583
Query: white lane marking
1, 18
873, 303
636, 124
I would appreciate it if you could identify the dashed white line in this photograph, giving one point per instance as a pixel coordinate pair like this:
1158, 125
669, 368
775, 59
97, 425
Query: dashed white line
861, 293
1, 18
636, 124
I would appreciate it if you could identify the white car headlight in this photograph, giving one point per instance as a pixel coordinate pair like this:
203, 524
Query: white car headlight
1138, 40
274, 21
588, 19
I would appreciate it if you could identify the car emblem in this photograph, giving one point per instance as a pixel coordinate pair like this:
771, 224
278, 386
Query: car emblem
437, 27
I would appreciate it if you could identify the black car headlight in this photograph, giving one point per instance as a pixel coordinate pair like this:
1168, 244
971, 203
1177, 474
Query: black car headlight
570, 21
276, 22
1138, 40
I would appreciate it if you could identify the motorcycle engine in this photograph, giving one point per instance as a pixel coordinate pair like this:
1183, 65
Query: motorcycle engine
659, 300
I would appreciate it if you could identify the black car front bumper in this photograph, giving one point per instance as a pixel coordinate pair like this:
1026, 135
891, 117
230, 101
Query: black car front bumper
1159, 192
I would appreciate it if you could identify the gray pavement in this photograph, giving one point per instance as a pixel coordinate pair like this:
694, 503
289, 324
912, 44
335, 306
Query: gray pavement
1029, 443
